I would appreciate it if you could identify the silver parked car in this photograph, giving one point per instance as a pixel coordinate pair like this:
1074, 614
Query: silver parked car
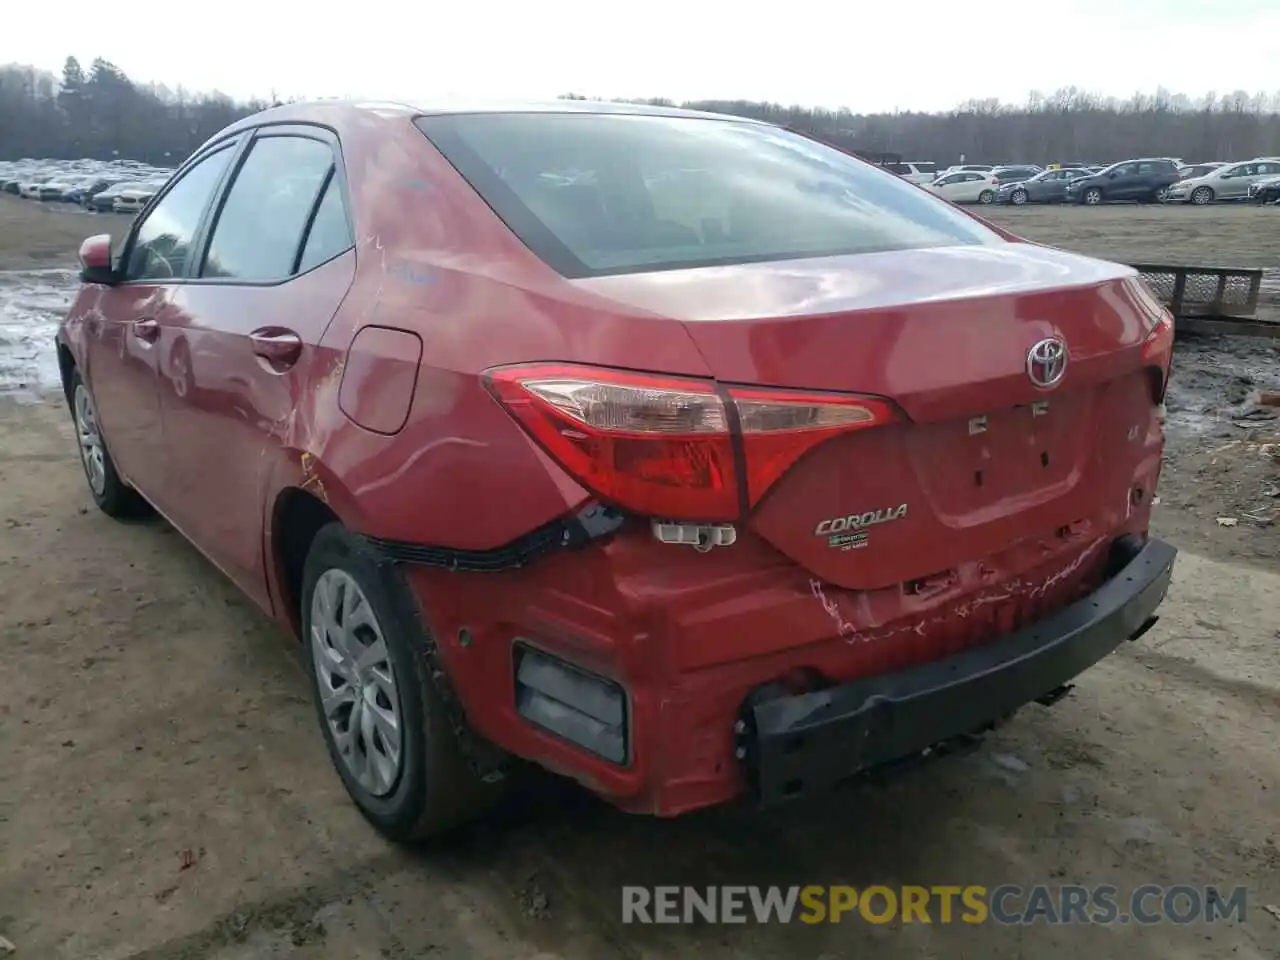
1228, 182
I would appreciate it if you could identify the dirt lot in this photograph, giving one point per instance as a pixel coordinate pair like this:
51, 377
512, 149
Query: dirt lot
164, 793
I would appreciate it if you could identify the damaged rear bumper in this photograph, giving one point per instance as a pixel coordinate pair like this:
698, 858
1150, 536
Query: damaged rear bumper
799, 744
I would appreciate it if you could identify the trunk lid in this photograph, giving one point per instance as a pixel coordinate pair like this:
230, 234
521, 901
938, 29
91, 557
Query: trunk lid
984, 457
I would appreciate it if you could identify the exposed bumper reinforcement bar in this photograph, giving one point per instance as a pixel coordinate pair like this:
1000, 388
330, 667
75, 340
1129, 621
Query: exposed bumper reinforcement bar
800, 744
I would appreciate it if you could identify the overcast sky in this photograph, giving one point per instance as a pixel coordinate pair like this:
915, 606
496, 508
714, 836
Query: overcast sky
867, 55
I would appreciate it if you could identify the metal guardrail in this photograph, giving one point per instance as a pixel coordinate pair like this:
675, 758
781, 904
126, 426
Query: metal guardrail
1210, 300
1205, 292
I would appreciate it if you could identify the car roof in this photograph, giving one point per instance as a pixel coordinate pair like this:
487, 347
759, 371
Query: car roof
308, 110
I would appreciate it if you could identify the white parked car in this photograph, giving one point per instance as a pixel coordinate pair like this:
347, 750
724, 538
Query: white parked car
920, 172
31, 188
134, 198
966, 186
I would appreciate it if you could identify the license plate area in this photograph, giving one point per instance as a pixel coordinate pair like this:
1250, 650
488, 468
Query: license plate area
1003, 455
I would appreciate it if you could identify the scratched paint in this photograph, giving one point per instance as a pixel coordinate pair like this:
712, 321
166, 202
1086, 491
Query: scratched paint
310, 479
964, 607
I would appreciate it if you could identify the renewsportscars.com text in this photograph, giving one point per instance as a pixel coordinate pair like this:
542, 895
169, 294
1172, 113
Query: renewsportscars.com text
1006, 904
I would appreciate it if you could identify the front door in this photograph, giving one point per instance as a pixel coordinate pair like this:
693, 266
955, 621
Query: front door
124, 330
270, 278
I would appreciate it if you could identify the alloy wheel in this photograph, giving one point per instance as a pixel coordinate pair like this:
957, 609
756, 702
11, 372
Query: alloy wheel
357, 682
92, 452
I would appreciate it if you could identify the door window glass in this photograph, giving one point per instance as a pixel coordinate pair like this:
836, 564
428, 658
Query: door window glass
260, 227
162, 244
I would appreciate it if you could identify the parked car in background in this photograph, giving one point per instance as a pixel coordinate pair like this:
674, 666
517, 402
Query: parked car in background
969, 168
742, 558
86, 189
1231, 181
135, 196
965, 186
1265, 191
1048, 186
72, 181
104, 200
1192, 170
1145, 180
916, 171
1015, 173
30, 187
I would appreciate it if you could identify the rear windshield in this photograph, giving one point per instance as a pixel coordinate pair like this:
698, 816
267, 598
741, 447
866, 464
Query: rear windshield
595, 194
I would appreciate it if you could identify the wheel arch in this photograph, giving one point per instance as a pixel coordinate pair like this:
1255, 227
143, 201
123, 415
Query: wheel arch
296, 517
66, 367
308, 497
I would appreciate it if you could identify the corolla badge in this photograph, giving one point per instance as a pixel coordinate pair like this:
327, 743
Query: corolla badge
1047, 363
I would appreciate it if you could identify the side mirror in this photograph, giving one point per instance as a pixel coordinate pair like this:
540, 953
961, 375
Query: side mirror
95, 260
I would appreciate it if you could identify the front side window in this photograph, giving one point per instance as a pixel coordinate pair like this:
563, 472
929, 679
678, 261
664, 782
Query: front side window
594, 194
258, 232
162, 244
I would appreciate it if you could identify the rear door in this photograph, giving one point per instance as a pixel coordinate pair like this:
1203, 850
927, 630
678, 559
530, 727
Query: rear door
1054, 186
273, 265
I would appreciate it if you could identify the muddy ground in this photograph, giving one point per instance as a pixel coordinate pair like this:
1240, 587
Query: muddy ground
164, 793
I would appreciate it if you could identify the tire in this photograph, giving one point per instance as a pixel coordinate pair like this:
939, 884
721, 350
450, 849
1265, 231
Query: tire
1201, 196
1018, 197
987, 196
432, 788
1161, 193
113, 496
1092, 197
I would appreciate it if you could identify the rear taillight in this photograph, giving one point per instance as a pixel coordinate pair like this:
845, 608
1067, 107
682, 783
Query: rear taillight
665, 446
1157, 354
1157, 344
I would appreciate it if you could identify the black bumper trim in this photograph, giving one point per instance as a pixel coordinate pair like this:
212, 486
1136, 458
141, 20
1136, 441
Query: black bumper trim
799, 744
571, 533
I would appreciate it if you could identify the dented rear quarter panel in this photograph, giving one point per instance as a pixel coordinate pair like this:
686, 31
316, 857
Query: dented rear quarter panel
435, 261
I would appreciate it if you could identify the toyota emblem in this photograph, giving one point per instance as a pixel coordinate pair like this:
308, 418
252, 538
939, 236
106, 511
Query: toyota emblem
1047, 362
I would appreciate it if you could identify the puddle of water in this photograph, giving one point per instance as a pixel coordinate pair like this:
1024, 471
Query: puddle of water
1216, 380
32, 304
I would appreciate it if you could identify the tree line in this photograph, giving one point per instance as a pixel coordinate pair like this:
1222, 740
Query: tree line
102, 114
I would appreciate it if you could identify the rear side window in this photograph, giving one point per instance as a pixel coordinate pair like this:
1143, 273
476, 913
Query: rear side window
260, 227
926, 167
330, 232
594, 194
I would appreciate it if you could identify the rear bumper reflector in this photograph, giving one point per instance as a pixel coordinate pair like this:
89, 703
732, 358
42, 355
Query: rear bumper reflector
575, 705
793, 745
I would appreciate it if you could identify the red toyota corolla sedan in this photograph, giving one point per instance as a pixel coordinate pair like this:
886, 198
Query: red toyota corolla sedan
680, 454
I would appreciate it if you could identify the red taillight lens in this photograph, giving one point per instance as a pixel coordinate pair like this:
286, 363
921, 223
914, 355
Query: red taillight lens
664, 446
780, 427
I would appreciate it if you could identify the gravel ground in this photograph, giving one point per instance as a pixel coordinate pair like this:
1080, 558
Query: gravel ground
166, 794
